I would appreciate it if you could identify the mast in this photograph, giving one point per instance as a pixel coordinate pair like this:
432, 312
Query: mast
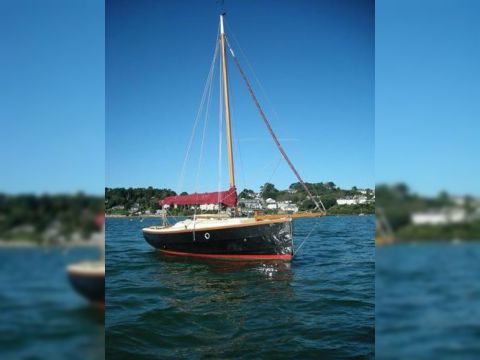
227, 104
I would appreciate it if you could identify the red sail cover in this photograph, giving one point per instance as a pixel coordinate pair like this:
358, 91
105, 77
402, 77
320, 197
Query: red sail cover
228, 198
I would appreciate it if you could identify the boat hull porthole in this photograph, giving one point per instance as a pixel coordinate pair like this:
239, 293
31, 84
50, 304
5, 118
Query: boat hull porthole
207, 236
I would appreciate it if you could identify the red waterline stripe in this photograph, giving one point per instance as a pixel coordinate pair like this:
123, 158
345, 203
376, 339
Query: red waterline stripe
227, 256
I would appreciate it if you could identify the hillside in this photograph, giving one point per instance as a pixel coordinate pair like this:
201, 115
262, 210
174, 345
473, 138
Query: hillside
121, 201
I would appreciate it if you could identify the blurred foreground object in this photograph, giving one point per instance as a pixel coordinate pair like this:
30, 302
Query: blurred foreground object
52, 146
406, 216
426, 135
43, 317
88, 277
427, 286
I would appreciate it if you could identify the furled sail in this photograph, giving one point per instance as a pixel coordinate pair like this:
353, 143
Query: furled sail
228, 198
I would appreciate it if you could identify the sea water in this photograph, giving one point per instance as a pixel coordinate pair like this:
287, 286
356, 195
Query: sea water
42, 317
428, 301
321, 305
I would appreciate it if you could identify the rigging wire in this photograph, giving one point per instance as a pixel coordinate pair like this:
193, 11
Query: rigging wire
256, 78
272, 133
197, 118
207, 108
277, 164
295, 252
279, 161
242, 167
262, 89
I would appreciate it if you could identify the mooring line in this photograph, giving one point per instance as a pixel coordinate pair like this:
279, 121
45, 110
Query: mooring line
303, 242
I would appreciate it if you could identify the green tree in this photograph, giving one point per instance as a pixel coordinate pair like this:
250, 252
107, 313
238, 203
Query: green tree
269, 191
247, 194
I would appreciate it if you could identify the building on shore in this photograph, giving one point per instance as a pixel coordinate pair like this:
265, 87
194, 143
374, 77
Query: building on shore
287, 206
271, 204
250, 204
440, 217
209, 207
354, 200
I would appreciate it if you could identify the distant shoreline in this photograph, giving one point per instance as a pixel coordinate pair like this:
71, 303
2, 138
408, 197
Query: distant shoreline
21, 244
131, 216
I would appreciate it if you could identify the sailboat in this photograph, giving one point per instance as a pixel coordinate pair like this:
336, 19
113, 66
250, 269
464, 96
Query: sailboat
88, 277
262, 237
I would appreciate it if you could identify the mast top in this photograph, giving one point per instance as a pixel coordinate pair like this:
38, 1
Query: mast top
221, 23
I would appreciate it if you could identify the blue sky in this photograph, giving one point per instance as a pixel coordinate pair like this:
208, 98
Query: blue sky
52, 96
315, 60
427, 94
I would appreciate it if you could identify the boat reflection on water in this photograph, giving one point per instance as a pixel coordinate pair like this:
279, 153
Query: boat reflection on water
273, 269
222, 281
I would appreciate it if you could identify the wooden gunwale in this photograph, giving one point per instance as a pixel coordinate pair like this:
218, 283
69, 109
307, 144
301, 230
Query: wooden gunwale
255, 223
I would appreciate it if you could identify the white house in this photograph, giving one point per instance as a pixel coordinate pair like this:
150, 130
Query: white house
362, 200
439, 217
209, 207
346, 201
353, 201
271, 204
287, 206
253, 204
